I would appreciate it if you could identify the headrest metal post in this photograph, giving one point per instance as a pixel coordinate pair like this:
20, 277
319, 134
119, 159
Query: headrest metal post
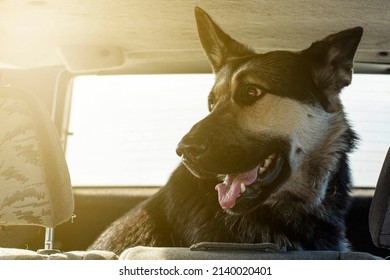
49, 238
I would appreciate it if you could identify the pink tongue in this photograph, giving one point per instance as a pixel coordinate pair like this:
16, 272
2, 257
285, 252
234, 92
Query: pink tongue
230, 189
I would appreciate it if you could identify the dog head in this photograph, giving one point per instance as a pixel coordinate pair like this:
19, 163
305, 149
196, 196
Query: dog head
270, 114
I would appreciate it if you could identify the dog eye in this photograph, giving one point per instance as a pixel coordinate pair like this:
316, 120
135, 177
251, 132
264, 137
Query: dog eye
253, 91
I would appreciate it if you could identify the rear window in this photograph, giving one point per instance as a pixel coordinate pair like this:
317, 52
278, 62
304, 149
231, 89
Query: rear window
124, 129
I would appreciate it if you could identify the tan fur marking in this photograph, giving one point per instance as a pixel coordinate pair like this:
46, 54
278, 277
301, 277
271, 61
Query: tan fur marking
317, 164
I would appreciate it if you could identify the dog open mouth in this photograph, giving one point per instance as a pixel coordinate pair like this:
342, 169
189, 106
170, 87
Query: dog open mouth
250, 183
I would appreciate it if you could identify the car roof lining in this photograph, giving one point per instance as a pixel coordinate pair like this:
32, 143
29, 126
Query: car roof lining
163, 33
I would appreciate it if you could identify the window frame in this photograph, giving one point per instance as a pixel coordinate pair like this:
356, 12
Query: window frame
63, 101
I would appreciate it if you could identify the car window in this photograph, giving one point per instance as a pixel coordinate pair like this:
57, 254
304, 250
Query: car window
125, 128
367, 104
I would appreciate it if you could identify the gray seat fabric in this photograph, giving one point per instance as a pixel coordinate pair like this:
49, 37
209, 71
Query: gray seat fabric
379, 216
35, 186
21, 254
155, 253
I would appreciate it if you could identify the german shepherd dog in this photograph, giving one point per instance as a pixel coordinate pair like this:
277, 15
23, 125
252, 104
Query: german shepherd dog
268, 164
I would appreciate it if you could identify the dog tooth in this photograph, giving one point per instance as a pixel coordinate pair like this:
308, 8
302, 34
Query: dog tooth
262, 170
272, 156
243, 188
267, 162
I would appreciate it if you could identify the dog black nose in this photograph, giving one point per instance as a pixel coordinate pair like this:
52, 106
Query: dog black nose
191, 147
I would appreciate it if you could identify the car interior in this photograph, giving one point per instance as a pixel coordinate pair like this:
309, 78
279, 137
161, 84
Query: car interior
59, 191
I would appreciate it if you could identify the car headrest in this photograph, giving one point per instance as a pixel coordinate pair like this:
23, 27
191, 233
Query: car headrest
379, 216
35, 186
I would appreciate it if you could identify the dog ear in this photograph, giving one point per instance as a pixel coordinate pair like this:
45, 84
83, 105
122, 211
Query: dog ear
219, 46
331, 63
